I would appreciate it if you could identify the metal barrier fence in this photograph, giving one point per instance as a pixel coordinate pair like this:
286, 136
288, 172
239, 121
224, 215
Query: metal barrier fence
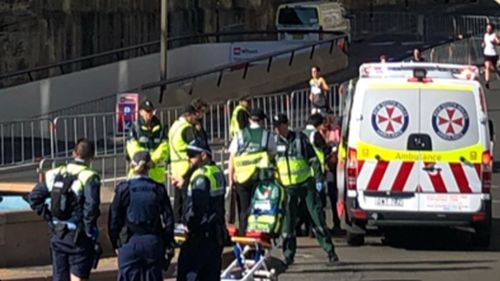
25, 141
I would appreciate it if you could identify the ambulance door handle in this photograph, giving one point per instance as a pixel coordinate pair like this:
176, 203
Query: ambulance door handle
431, 168
378, 158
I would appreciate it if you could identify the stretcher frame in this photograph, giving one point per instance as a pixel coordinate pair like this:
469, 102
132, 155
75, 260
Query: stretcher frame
251, 269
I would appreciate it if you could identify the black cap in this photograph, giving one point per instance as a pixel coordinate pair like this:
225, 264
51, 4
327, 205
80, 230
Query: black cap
147, 105
141, 156
258, 114
280, 119
198, 146
189, 109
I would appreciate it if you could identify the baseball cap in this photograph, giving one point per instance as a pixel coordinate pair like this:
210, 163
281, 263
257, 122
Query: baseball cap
147, 105
280, 119
198, 146
258, 113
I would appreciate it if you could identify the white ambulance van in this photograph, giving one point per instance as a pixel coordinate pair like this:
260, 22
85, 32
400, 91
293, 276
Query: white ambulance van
415, 150
312, 16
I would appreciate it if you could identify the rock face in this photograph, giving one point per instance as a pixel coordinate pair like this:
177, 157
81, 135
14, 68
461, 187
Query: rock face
41, 32
36, 33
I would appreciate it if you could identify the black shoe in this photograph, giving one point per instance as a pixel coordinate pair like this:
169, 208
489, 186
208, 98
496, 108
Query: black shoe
487, 85
333, 258
289, 261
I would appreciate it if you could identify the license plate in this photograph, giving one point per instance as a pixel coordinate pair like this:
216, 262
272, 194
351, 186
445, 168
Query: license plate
389, 202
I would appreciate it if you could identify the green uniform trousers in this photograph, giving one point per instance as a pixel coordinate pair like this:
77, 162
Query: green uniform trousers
306, 191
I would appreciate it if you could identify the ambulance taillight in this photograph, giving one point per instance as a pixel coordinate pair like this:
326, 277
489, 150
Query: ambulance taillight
352, 168
486, 171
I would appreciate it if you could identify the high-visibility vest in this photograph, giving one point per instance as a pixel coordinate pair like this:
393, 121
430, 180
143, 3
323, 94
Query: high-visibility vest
154, 141
179, 161
310, 133
293, 167
234, 127
252, 153
215, 177
83, 172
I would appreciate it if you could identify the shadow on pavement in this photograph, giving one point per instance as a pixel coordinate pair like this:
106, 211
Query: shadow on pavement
417, 262
339, 269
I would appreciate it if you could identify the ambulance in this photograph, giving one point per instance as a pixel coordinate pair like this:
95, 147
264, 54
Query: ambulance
415, 150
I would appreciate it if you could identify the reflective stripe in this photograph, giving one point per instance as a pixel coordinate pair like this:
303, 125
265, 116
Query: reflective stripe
83, 172
369, 152
215, 177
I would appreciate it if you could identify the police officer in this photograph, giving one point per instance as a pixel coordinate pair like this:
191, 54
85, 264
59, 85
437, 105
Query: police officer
251, 149
201, 253
240, 116
148, 134
299, 172
312, 131
180, 135
142, 207
74, 190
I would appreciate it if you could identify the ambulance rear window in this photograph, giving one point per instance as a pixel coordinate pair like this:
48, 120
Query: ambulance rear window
450, 118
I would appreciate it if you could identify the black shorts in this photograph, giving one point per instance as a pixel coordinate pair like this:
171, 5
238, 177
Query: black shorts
492, 59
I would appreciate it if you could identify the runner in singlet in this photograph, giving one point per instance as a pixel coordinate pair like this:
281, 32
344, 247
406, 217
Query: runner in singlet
319, 90
490, 54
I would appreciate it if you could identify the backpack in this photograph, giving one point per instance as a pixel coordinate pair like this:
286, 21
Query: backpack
63, 199
144, 207
267, 209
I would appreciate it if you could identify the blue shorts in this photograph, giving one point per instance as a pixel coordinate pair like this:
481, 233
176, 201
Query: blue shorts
70, 258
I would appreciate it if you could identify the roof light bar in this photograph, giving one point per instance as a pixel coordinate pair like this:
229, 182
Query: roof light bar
407, 70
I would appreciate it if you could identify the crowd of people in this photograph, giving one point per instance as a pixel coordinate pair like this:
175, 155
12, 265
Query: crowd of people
141, 220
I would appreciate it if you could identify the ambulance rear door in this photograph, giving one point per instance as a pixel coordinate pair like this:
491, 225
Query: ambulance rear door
387, 175
451, 163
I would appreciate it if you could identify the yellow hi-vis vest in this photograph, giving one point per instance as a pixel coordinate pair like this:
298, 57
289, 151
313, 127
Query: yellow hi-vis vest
252, 153
293, 167
179, 161
319, 153
84, 174
234, 126
214, 175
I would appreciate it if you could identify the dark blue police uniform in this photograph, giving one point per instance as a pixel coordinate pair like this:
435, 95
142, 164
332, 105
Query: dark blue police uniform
143, 208
200, 256
72, 240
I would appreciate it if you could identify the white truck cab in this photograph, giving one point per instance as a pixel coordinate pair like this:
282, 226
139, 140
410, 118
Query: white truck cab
416, 150
312, 15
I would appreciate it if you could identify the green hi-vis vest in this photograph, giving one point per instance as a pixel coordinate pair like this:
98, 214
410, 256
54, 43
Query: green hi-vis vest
252, 153
234, 127
179, 161
319, 153
267, 211
293, 167
83, 172
214, 175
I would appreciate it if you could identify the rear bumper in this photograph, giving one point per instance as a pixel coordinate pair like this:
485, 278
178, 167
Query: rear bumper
400, 218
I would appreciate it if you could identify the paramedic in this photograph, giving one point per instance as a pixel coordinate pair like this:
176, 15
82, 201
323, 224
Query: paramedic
180, 135
149, 134
240, 116
201, 254
142, 206
299, 172
73, 224
251, 149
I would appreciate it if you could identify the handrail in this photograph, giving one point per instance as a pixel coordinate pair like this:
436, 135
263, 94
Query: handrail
142, 46
246, 63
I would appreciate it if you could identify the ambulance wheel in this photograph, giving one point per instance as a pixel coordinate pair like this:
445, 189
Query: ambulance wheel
355, 239
482, 237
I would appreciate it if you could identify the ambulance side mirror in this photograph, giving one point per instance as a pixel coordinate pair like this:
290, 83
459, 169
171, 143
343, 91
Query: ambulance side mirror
492, 129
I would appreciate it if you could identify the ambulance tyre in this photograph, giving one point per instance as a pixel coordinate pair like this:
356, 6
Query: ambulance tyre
482, 236
355, 239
